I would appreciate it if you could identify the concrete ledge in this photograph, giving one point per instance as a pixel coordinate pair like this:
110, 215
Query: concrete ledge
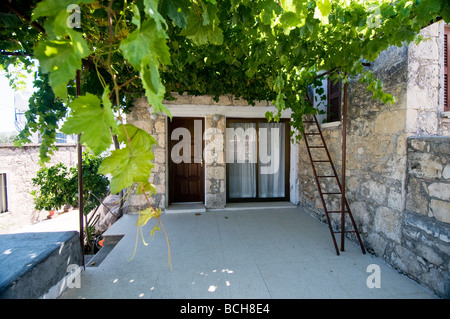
32, 263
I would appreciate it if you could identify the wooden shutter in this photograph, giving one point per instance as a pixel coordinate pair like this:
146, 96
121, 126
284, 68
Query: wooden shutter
3, 194
334, 101
446, 67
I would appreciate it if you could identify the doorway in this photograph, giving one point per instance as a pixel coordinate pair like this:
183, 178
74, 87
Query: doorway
186, 167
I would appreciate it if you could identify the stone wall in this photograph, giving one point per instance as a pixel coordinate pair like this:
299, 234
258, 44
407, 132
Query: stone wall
20, 166
377, 167
426, 221
376, 156
215, 196
155, 125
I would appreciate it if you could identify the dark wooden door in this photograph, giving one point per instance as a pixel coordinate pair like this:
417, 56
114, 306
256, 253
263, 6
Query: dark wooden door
186, 167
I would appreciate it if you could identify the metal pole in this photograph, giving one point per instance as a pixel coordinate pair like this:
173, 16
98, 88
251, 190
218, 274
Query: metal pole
80, 179
344, 159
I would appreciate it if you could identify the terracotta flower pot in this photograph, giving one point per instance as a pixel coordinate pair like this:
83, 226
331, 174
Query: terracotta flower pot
51, 213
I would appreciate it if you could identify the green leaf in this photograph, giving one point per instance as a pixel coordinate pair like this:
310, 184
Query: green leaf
139, 138
51, 8
88, 118
61, 58
323, 10
133, 163
202, 33
176, 10
445, 11
291, 19
146, 42
151, 10
136, 20
154, 89
127, 168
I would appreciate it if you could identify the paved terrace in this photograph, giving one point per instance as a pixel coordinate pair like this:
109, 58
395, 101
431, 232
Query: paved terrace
238, 253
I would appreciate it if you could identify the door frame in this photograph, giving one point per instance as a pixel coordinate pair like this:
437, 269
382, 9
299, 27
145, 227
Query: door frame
287, 157
169, 172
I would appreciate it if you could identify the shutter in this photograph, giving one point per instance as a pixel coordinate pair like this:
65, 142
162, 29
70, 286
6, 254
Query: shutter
334, 101
3, 194
446, 65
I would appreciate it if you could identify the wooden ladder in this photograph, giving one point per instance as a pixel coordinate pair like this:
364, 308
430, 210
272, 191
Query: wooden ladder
318, 177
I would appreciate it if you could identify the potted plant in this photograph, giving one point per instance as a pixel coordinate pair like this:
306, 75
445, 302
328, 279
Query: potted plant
52, 188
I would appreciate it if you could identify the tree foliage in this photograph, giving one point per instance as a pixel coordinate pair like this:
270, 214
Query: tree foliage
255, 50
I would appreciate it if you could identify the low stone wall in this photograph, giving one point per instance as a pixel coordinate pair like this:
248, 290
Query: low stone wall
37, 265
426, 221
20, 166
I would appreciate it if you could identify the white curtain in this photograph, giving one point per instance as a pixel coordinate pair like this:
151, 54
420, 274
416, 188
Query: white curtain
241, 158
271, 179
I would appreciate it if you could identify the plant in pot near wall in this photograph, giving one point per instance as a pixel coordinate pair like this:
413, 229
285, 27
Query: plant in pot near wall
51, 193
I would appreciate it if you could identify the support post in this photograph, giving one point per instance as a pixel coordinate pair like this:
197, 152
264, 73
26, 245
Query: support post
344, 159
80, 179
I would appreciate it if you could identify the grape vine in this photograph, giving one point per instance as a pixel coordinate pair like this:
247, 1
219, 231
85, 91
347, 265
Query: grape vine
256, 50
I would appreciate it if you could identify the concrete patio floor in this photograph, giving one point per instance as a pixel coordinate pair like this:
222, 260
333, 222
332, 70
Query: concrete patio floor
252, 253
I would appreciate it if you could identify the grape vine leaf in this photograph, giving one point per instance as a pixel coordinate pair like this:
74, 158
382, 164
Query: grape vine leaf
51, 8
146, 41
87, 117
127, 168
62, 59
176, 10
138, 137
201, 30
133, 163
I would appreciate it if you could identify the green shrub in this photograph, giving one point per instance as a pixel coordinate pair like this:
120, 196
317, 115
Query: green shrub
57, 185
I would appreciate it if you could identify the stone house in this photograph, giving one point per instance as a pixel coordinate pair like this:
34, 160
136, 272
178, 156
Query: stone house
18, 165
398, 158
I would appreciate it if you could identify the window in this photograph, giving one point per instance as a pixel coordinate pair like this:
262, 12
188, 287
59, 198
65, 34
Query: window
61, 138
257, 160
334, 100
3, 194
446, 71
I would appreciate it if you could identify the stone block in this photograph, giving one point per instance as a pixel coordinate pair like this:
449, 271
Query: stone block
429, 226
215, 201
160, 126
390, 122
387, 222
430, 254
425, 165
440, 210
446, 172
440, 191
416, 198
374, 191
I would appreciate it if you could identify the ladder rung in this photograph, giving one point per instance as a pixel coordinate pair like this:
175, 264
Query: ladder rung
312, 133
326, 176
317, 146
322, 161
336, 212
332, 193
345, 231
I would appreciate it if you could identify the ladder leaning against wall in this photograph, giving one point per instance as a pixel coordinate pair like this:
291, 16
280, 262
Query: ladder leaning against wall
311, 130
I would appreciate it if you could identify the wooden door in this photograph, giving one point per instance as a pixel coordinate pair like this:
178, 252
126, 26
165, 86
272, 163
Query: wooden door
186, 167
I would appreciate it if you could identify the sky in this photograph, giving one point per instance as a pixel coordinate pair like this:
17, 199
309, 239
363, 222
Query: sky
7, 103
6, 106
